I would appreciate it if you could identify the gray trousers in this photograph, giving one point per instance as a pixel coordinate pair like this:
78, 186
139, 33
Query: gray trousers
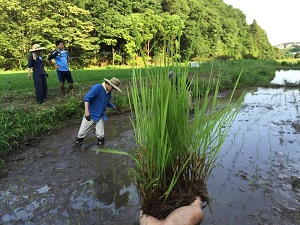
86, 126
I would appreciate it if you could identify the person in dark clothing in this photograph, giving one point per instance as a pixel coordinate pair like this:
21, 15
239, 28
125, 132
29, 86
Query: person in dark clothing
61, 65
35, 62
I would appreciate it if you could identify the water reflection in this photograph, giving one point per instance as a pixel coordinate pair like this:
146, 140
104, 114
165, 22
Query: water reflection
286, 76
256, 161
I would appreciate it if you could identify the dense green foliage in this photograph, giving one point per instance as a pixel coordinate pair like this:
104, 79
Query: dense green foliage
292, 52
99, 32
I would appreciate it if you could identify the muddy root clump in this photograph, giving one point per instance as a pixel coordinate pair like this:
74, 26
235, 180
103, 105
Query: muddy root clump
183, 194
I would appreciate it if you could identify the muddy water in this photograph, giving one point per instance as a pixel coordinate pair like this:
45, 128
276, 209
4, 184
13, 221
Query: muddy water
54, 183
257, 180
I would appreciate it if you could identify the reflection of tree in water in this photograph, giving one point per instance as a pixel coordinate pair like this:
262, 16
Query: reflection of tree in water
112, 188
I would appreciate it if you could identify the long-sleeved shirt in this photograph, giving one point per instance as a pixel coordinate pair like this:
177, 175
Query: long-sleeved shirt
98, 100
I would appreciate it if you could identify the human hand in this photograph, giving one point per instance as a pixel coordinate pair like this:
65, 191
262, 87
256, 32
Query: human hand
191, 214
88, 117
28, 76
149, 220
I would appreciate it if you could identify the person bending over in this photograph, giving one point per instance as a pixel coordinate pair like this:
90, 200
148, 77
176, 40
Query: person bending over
95, 103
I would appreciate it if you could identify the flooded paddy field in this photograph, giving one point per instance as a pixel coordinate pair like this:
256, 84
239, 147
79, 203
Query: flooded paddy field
256, 181
258, 177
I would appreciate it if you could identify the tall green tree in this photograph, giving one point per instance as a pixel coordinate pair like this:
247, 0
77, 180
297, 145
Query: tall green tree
15, 28
262, 47
150, 27
93, 29
44, 22
139, 6
177, 7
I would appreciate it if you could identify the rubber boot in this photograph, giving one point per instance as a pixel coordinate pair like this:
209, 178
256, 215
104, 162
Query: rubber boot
101, 141
78, 141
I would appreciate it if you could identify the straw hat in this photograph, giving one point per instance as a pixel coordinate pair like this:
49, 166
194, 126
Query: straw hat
36, 47
114, 82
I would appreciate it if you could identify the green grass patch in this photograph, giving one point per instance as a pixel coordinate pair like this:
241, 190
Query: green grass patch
20, 124
255, 73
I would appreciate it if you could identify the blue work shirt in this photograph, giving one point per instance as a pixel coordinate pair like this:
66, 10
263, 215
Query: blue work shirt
98, 100
61, 59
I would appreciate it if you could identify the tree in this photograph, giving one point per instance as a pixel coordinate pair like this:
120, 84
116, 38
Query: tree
177, 7
24, 25
262, 48
93, 28
145, 5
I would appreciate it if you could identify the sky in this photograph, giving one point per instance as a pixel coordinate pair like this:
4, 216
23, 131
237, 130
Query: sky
278, 18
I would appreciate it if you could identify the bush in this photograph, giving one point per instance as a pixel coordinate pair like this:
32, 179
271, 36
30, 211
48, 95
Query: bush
18, 124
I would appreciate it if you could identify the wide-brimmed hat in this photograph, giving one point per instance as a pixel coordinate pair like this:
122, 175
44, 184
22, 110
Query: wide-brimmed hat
36, 47
114, 82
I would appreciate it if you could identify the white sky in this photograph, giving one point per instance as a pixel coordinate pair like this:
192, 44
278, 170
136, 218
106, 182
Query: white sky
280, 19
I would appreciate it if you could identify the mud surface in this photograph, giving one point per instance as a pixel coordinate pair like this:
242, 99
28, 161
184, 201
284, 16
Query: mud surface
257, 180
55, 183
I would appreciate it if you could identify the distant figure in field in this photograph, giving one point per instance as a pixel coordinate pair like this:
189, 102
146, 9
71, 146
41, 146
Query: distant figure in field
174, 80
61, 65
186, 215
35, 62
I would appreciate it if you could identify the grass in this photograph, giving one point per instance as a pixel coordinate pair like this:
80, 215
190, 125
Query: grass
172, 149
255, 73
176, 152
18, 80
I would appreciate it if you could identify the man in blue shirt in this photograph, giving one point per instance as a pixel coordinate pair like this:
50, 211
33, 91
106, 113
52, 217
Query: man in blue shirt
95, 103
61, 59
